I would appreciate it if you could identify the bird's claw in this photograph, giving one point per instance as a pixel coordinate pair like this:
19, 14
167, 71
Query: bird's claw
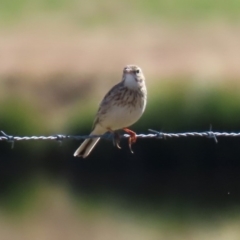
130, 147
116, 140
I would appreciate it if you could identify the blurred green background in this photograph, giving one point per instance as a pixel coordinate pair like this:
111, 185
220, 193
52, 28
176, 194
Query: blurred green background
59, 58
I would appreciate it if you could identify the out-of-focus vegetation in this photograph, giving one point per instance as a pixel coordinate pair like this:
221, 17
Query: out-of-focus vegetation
58, 59
106, 12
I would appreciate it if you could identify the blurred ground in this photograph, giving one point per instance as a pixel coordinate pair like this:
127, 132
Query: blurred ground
69, 64
201, 51
68, 219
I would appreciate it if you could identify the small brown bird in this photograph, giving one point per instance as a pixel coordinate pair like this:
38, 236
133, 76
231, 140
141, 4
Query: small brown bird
122, 106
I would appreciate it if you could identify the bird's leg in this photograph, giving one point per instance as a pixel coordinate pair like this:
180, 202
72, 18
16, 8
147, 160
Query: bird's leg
132, 139
116, 138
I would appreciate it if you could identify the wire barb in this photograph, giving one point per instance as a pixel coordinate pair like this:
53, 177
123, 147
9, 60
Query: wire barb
60, 138
158, 134
9, 139
211, 134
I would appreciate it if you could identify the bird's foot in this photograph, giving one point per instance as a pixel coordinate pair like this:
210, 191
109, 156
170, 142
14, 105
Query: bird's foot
132, 138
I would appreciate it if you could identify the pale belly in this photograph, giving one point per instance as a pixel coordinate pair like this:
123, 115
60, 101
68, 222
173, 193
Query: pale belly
120, 117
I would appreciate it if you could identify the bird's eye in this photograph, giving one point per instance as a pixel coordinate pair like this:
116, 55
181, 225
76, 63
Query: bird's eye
137, 71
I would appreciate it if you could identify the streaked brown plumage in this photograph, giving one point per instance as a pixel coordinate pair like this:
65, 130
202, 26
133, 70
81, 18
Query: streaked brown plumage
122, 106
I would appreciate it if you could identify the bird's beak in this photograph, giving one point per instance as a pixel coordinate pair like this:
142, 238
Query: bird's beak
127, 70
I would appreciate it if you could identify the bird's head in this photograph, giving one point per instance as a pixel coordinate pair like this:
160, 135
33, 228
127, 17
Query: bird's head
133, 77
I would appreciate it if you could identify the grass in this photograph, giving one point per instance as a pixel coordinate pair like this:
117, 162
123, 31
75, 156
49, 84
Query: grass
50, 208
177, 99
188, 8
108, 12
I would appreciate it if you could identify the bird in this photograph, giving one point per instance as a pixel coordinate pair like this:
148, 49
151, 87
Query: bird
121, 107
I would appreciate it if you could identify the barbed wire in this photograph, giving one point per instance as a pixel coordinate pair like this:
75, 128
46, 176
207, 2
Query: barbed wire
154, 134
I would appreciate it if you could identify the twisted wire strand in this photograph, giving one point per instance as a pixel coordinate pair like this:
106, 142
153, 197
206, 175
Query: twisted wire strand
154, 134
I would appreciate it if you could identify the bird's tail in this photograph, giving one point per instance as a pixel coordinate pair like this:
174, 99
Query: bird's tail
87, 146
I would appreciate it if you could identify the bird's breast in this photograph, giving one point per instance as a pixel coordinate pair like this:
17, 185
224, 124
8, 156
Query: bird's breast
120, 115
